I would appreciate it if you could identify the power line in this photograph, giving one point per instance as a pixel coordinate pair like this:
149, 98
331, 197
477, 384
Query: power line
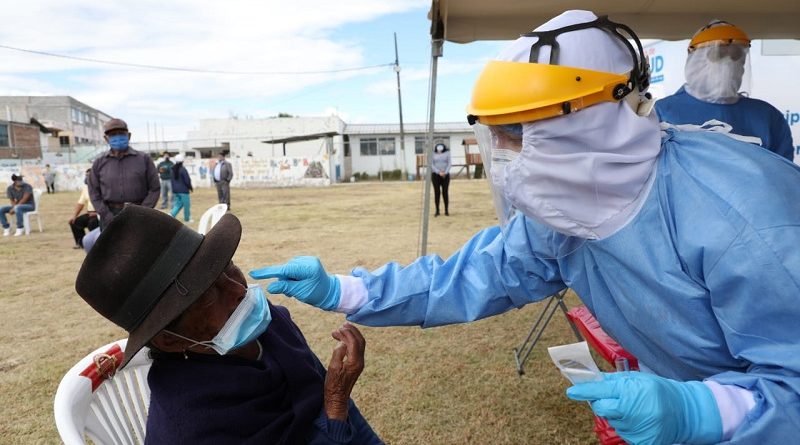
193, 70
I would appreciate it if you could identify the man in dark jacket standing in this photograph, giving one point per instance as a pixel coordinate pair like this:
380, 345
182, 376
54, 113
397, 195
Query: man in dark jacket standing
165, 173
223, 173
122, 175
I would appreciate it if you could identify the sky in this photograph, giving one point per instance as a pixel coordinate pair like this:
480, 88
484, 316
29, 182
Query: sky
240, 36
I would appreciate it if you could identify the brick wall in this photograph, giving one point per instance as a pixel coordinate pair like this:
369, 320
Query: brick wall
25, 139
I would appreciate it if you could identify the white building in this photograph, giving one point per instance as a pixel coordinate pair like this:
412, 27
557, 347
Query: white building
372, 148
354, 148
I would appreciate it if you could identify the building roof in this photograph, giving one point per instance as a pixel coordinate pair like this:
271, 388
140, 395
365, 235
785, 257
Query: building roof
301, 138
413, 128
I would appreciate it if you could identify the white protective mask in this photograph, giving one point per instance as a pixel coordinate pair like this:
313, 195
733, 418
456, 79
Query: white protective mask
715, 79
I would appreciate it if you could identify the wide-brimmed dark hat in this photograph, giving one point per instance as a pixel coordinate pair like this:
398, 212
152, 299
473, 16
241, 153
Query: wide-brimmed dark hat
147, 268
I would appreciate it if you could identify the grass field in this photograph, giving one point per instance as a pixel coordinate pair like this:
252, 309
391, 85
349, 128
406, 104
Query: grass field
449, 385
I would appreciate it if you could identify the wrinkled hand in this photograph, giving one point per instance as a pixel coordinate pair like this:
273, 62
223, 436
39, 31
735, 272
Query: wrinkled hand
303, 278
347, 362
648, 409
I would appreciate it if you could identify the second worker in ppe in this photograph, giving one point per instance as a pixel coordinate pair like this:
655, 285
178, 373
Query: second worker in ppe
715, 68
682, 244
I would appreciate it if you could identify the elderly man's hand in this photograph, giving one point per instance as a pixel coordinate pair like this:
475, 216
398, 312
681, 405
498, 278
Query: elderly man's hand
347, 362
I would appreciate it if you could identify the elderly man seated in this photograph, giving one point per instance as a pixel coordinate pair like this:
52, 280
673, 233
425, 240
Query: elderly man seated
228, 366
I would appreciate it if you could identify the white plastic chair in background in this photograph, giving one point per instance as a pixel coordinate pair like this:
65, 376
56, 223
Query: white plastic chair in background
92, 401
210, 217
26, 217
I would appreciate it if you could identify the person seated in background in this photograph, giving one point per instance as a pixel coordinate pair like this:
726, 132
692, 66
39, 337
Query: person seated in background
714, 90
79, 223
228, 365
20, 194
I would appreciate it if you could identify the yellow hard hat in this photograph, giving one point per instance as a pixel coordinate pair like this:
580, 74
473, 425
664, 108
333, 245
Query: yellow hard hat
720, 32
514, 92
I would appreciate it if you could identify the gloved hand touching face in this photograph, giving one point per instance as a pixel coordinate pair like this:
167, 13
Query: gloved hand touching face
303, 278
647, 409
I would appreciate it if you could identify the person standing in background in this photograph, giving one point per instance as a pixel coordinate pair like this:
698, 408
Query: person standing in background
49, 179
223, 173
121, 175
181, 187
165, 174
440, 175
79, 223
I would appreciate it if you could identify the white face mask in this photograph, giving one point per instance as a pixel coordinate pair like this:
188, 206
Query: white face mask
714, 79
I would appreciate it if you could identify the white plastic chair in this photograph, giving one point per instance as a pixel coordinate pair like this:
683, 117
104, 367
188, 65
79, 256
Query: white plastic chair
210, 217
26, 217
107, 408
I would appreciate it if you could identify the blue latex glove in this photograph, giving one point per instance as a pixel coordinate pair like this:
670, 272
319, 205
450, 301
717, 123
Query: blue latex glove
303, 278
647, 409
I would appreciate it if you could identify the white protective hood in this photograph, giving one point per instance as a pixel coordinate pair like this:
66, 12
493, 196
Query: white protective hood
587, 173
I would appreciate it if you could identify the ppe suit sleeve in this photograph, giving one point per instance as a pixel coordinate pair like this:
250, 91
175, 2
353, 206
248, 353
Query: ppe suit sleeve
755, 291
492, 273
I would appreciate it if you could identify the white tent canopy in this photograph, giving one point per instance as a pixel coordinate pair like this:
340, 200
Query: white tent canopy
469, 20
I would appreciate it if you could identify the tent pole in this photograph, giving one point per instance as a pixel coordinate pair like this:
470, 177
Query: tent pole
436, 52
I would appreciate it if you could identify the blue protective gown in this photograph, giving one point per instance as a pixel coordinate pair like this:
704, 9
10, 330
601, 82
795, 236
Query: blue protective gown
748, 117
703, 283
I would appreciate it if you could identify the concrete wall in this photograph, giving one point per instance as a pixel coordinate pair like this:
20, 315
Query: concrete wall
246, 136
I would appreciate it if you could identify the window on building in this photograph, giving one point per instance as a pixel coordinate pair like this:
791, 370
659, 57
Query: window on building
76, 115
373, 146
346, 140
420, 142
63, 141
3, 135
386, 146
369, 147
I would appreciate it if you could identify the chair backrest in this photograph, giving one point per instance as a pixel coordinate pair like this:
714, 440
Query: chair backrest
92, 401
210, 217
37, 194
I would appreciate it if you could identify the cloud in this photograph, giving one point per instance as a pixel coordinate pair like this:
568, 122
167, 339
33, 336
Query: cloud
234, 35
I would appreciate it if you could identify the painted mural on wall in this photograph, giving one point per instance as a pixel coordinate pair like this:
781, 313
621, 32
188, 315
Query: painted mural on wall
247, 173
69, 177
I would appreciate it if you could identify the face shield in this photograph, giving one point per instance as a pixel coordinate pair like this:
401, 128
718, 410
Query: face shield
719, 71
499, 145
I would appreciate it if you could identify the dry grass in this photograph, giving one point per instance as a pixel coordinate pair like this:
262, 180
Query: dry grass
449, 385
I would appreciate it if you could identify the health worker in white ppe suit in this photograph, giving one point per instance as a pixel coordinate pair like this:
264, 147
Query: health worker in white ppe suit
717, 69
682, 244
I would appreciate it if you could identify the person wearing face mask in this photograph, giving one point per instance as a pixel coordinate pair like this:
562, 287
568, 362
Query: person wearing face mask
714, 91
229, 367
680, 243
80, 222
440, 176
122, 175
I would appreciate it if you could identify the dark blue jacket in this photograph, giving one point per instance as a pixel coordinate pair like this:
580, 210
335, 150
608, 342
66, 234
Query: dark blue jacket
220, 400
181, 182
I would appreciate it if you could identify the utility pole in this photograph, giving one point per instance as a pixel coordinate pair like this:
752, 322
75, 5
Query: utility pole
400, 107
148, 137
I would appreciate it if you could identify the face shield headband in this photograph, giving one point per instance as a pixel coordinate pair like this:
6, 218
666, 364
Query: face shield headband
639, 77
